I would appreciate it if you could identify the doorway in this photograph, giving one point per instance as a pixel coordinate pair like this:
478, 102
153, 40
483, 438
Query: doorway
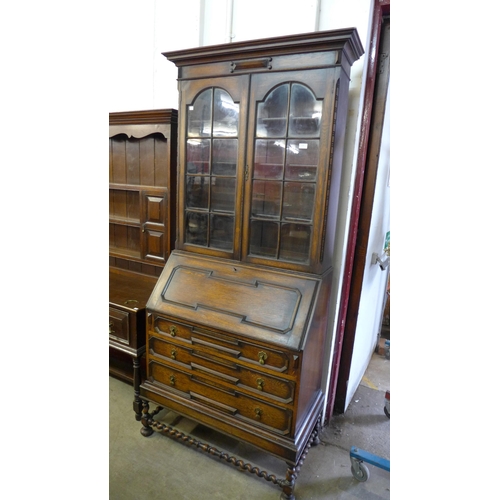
358, 257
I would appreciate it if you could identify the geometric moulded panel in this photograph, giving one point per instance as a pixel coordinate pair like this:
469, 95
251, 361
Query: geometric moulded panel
155, 244
155, 209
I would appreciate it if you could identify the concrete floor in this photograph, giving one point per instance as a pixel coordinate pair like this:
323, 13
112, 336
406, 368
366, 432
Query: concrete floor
158, 467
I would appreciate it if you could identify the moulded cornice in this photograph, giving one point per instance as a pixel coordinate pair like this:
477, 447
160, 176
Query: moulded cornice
139, 124
346, 40
143, 117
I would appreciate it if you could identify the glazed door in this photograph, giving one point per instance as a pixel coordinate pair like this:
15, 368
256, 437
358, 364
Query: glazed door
211, 158
288, 154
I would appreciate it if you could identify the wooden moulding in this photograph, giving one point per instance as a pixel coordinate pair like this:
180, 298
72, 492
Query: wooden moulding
346, 40
139, 124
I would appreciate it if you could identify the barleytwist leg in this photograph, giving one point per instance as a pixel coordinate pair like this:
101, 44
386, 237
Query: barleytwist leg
317, 429
146, 430
288, 484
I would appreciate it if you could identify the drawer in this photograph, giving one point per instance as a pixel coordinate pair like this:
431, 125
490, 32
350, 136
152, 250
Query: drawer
195, 386
223, 345
228, 371
119, 328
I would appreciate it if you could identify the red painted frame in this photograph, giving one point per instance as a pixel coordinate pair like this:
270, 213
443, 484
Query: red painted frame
380, 9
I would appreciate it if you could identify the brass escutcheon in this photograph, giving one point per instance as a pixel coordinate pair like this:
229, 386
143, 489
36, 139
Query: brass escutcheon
172, 380
111, 327
173, 353
260, 384
258, 413
262, 357
173, 330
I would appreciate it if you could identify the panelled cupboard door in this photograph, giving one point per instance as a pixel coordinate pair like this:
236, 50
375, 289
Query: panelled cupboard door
288, 151
154, 235
212, 137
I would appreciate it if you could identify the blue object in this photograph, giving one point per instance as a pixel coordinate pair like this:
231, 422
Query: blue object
370, 458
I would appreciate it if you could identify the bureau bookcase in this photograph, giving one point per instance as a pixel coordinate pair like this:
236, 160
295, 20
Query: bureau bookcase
236, 325
142, 197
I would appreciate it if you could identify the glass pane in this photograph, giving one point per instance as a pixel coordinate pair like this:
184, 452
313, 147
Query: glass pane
273, 112
199, 115
298, 201
196, 228
225, 156
223, 194
295, 241
221, 232
264, 238
305, 112
197, 191
302, 159
198, 156
266, 199
226, 114
269, 158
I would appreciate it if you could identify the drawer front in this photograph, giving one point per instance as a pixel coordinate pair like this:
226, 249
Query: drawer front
228, 371
195, 385
119, 327
223, 345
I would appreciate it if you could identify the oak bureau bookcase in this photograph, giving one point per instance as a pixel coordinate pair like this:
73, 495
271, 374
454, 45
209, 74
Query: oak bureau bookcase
142, 197
237, 322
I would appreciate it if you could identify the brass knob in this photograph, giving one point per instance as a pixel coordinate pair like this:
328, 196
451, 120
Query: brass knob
173, 330
260, 384
258, 413
172, 380
173, 353
111, 327
262, 357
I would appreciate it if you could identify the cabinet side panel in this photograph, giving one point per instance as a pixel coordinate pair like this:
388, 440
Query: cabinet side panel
336, 160
312, 360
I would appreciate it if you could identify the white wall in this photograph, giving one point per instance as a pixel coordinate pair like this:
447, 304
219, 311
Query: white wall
141, 78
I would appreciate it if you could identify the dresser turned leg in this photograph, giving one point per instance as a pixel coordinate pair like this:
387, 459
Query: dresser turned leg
137, 382
146, 430
289, 484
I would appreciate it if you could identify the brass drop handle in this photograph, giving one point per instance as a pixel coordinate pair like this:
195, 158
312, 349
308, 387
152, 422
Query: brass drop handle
173, 330
258, 412
260, 384
111, 327
262, 357
173, 353
172, 380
